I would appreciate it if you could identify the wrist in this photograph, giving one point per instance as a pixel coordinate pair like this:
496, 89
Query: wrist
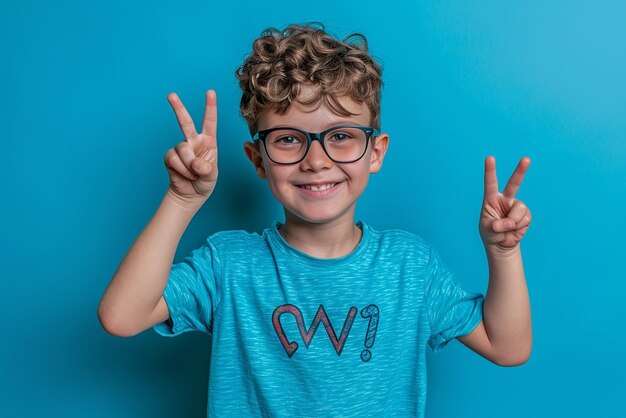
499, 252
190, 207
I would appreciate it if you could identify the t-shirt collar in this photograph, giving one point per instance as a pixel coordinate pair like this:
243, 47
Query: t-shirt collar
285, 247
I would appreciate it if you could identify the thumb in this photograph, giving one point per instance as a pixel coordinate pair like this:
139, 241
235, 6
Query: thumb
201, 167
503, 225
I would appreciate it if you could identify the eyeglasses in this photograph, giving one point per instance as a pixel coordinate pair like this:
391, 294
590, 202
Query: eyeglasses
342, 144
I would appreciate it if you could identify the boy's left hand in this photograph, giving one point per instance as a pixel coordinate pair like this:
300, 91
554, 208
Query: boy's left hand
503, 220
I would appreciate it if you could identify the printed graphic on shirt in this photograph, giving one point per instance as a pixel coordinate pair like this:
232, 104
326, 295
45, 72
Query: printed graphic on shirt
370, 312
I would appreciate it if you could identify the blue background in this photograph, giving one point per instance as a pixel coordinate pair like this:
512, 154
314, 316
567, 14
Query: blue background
86, 124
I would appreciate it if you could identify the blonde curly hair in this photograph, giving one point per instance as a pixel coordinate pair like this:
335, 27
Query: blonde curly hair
282, 61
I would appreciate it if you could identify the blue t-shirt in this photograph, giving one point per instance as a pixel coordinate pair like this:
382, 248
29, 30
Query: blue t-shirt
296, 335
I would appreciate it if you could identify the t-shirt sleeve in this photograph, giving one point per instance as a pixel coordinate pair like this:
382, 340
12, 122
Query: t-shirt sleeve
192, 292
452, 312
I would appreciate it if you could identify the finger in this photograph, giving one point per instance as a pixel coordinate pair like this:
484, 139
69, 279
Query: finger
516, 179
517, 211
184, 120
172, 159
525, 222
209, 123
186, 154
202, 168
491, 180
520, 232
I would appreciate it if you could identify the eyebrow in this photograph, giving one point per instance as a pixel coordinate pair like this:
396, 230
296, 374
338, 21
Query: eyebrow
329, 125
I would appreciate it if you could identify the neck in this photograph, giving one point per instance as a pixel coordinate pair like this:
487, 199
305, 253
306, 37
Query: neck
334, 239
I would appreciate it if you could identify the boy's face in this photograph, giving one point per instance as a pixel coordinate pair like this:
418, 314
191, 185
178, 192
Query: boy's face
285, 181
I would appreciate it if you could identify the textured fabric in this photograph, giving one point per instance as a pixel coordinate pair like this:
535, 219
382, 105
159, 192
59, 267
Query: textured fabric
295, 335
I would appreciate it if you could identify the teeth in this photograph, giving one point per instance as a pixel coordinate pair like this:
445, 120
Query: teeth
318, 188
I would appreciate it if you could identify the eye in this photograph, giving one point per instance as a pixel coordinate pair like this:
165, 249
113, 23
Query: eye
287, 139
339, 136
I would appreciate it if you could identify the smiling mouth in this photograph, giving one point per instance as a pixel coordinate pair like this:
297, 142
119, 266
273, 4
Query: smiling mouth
317, 187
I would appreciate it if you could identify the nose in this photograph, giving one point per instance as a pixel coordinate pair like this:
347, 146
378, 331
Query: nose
316, 158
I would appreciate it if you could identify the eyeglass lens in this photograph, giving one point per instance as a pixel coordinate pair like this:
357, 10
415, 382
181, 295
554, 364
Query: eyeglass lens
342, 144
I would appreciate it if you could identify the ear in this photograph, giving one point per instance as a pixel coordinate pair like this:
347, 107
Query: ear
378, 153
253, 152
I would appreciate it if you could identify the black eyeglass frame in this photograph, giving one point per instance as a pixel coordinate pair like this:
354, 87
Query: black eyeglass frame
313, 136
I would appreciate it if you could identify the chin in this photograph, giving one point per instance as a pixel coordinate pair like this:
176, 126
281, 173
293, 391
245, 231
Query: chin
313, 219
318, 217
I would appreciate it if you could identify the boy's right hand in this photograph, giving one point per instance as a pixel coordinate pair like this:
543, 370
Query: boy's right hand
192, 164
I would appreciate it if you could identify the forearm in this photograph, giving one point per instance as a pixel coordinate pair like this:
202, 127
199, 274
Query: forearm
506, 308
140, 279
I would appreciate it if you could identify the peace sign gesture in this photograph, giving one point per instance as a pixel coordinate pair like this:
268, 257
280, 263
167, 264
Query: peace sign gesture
192, 163
503, 220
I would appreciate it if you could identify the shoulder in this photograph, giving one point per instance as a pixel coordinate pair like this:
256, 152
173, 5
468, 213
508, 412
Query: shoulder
400, 242
237, 243
399, 237
234, 237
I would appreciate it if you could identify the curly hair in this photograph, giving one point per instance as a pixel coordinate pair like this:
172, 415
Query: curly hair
281, 62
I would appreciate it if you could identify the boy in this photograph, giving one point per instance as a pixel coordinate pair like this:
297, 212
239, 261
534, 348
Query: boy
312, 104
